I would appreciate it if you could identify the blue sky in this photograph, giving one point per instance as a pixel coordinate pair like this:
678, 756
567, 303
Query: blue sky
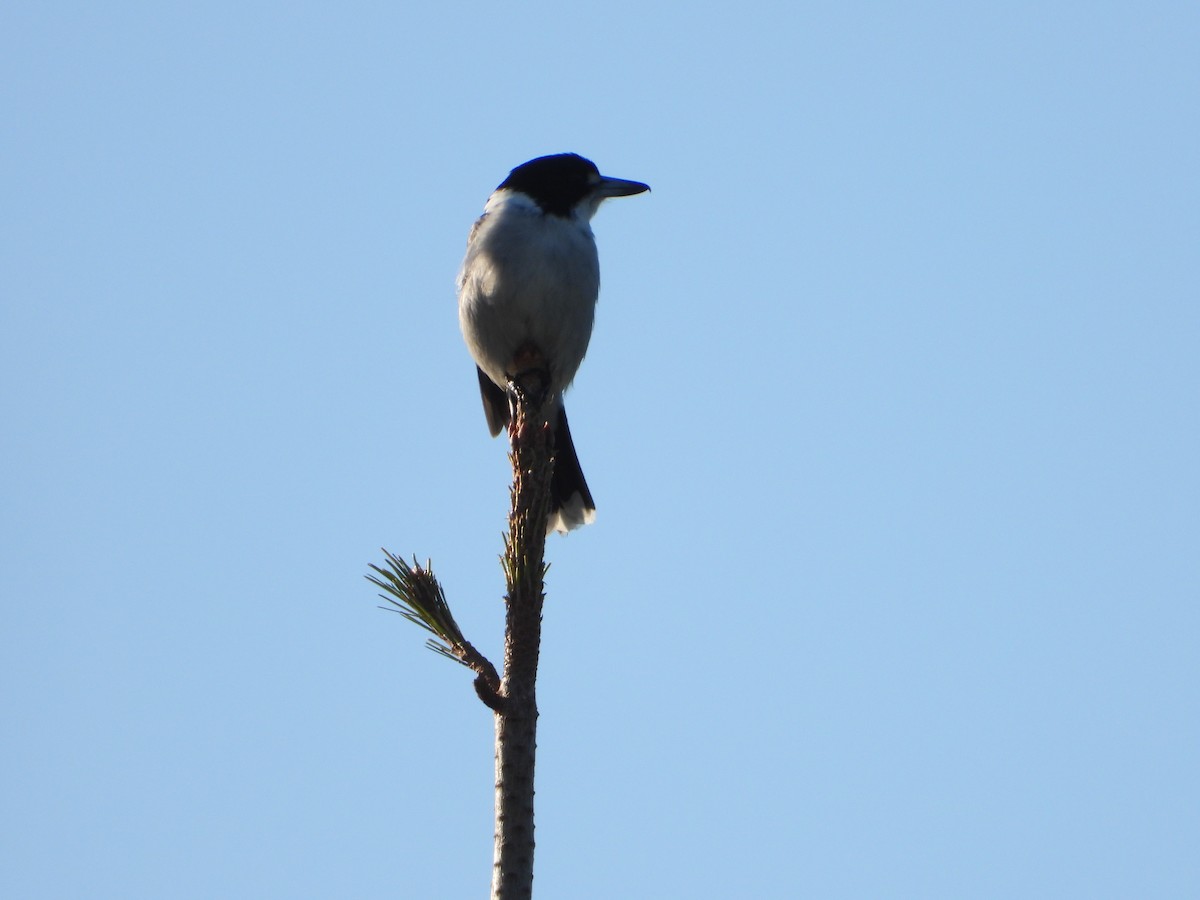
891, 417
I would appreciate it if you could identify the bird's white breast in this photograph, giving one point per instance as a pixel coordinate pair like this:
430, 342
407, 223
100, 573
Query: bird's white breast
528, 277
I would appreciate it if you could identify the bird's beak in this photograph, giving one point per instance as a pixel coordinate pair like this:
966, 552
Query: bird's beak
619, 187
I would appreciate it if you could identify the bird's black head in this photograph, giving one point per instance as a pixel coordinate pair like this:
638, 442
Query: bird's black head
557, 183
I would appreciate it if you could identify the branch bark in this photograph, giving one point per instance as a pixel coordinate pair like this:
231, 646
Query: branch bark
532, 456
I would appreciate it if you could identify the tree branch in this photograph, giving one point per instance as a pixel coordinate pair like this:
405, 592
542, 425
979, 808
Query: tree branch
415, 593
532, 456
418, 596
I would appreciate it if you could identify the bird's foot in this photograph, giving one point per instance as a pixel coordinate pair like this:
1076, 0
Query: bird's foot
529, 378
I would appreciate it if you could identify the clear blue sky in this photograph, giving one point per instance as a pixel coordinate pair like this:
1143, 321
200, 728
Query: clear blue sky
891, 415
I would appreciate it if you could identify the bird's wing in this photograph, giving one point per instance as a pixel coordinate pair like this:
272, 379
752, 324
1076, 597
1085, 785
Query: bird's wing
495, 403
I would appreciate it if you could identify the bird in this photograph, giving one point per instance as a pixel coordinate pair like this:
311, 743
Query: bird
527, 293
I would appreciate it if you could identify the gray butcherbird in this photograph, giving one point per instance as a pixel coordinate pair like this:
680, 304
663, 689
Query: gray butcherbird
527, 296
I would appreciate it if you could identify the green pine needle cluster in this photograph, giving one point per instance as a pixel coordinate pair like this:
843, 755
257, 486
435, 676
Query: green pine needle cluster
415, 593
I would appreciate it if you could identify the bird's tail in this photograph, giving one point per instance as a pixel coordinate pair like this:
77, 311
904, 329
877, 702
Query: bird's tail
571, 501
